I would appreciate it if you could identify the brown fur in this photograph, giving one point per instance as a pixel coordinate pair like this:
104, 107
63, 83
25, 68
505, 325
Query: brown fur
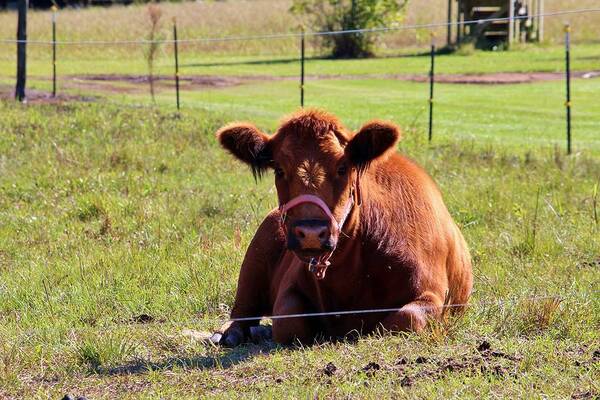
399, 246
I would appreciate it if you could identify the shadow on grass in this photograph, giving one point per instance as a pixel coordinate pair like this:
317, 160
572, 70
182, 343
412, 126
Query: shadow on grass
440, 51
253, 62
224, 359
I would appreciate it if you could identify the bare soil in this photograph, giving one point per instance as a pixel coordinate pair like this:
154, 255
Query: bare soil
505, 77
210, 81
134, 84
41, 97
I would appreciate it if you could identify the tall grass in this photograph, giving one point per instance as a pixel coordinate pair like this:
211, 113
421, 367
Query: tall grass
245, 17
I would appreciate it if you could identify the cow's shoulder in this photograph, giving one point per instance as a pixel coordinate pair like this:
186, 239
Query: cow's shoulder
269, 240
401, 181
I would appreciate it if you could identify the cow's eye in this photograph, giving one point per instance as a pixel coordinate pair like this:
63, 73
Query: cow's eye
342, 170
279, 172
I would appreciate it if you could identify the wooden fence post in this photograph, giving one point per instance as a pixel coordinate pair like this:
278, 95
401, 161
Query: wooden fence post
22, 6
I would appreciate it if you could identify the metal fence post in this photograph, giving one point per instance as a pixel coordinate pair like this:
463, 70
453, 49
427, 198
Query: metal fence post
431, 83
302, 69
54, 9
176, 51
568, 78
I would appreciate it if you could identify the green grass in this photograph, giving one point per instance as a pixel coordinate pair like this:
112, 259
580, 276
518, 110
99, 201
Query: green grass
523, 115
110, 213
122, 225
85, 60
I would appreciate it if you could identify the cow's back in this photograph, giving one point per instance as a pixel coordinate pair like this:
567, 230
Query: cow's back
404, 213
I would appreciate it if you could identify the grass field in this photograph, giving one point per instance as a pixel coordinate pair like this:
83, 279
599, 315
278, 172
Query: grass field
242, 18
251, 17
360, 88
121, 228
123, 225
525, 58
513, 115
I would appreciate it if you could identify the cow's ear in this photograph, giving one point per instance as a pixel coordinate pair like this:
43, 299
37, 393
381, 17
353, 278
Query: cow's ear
375, 140
248, 144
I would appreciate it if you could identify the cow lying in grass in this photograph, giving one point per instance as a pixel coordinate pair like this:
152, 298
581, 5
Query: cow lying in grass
358, 227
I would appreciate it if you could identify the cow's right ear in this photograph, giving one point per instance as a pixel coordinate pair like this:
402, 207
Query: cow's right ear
248, 144
376, 140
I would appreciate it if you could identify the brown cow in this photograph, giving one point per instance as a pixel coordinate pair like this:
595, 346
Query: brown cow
359, 227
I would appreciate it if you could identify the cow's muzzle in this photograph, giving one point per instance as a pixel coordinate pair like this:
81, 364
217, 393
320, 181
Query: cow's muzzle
310, 238
314, 240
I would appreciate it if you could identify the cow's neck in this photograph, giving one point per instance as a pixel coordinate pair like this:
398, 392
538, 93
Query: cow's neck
350, 231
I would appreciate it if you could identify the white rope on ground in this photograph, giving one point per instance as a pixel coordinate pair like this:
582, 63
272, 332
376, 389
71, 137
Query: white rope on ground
299, 34
395, 309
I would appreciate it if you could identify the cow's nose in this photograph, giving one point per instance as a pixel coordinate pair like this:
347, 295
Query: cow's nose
311, 237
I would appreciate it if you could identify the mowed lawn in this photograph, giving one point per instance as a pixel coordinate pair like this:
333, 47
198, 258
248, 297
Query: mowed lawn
511, 115
263, 89
122, 227
131, 59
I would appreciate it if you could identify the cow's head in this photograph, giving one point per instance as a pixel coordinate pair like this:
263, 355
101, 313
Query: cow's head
317, 165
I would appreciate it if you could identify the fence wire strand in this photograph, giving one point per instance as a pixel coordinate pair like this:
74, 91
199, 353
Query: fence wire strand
499, 303
299, 34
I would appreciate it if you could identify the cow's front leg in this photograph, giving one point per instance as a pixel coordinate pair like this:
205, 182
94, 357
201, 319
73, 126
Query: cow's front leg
290, 330
413, 316
250, 301
252, 298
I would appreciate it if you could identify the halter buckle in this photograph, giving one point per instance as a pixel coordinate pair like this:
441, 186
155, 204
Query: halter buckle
319, 267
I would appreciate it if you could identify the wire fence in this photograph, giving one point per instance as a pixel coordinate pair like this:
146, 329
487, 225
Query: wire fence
308, 33
172, 70
301, 36
503, 303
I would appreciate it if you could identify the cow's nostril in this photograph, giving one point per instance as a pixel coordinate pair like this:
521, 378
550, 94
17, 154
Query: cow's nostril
311, 235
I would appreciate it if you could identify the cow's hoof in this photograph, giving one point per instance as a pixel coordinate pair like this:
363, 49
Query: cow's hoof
261, 333
231, 338
216, 338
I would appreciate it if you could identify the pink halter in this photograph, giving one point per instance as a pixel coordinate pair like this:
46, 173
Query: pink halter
319, 265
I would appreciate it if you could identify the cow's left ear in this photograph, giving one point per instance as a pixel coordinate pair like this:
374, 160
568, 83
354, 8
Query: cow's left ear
247, 143
375, 140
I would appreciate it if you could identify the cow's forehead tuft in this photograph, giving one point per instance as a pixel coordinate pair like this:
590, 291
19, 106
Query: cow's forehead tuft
299, 147
312, 123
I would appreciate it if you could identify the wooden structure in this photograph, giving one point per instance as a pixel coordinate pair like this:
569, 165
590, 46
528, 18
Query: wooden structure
521, 22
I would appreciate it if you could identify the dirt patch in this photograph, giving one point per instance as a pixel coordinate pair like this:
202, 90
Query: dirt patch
138, 84
485, 361
124, 83
212, 81
197, 80
506, 77
41, 97
329, 369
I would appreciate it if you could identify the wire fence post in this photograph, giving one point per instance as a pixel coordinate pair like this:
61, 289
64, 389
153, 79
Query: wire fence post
302, 68
22, 6
431, 83
568, 78
54, 9
176, 51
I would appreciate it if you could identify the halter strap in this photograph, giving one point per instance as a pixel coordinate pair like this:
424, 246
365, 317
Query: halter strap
319, 265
